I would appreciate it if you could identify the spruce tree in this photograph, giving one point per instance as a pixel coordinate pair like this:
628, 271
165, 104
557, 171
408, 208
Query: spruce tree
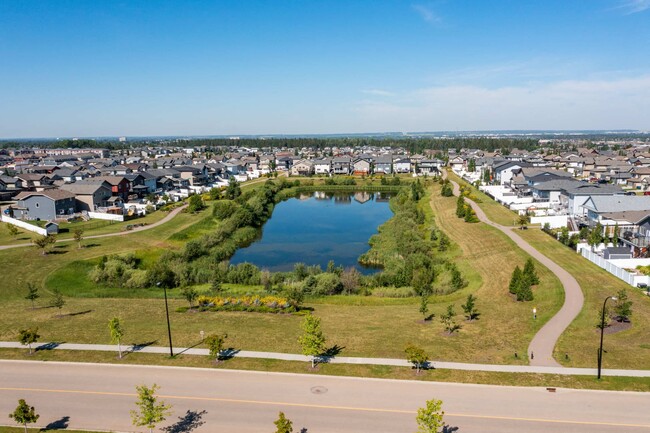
529, 272
515, 280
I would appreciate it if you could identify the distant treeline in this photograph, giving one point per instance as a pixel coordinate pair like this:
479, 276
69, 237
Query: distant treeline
412, 144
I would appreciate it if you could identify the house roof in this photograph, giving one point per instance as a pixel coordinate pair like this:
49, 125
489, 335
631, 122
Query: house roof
83, 188
632, 216
618, 203
53, 194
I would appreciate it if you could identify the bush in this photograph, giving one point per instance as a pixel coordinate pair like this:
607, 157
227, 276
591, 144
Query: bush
224, 209
327, 284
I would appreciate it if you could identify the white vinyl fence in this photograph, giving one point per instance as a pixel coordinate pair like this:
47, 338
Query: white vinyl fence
106, 216
23, 225
631, 279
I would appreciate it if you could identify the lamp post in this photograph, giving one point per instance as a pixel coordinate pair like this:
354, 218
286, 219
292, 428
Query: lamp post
169, 328
602, 332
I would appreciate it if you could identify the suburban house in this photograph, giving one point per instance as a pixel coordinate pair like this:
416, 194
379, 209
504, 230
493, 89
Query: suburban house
120, 186
44, 205
598, 206
361, 167
575, 198
402, 165
383, 164
89, 196
429, 166
323, 166
342, 165
505, 171
304, 167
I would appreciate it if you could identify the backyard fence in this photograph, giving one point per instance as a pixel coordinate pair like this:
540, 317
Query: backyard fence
23, 225
610, 267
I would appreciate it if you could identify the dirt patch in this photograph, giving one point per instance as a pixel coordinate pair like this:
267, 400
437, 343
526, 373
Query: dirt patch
617, 327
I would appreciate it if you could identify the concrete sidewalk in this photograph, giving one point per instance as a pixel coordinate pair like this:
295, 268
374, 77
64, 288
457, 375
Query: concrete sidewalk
335, 360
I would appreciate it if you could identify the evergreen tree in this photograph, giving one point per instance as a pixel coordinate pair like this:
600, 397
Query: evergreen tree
460, 207
529, 272
623, 306
515, 280
524, 292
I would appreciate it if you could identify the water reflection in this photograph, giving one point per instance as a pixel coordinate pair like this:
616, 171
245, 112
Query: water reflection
315, 228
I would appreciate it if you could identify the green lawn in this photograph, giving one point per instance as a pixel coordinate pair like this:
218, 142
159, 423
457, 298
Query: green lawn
626, 349
362, 325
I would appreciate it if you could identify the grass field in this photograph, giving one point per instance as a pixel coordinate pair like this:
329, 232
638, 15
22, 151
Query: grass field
362, 325
625, 349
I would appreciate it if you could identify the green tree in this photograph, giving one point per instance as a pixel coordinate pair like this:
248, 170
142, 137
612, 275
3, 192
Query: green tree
471, 166
44, 241
282, 424
215, 286
117, 332
430, 418
57, 300
469, 308
150, 411
524, 292
595, 237
24, 414
424, 305
523, 220
623, 306
416, 356
190, 294
515, 280
27, 337
196, 203
215, 343
486, 176
233, 190
529, 272
449, 320
457, 281
460, 206
350, 280
13, 230
443, 242
78, 236
312, 339
32, 293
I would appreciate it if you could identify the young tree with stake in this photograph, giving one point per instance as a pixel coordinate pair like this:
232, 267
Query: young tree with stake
417, 356
28, 336
215, 345
430, 418
115, 327
78, 236
32, 293
283, 424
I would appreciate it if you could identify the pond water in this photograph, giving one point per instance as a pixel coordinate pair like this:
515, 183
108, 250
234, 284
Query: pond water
316, 228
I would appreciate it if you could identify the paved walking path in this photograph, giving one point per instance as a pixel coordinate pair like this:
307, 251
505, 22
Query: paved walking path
334, 360
544, 341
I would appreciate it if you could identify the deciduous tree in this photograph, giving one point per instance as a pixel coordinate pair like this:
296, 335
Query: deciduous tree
283, 424
44, 241
32, 293
150, 411
57, 300
312, 340
24, 414
117, 332
215, 343
623, 306
430, 417
78, 236
13, 230
469, 308
28, 336
449, 320
190, 294
417, 356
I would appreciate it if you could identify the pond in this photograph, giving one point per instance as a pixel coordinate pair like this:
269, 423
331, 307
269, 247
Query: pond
316, 228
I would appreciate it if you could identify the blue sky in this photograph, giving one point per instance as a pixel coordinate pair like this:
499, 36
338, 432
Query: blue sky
97, 68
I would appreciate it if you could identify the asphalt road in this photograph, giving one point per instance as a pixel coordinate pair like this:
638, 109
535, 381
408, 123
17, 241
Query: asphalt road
101, 396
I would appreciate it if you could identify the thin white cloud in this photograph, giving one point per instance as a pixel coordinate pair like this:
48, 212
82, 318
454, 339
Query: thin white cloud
427, 13
378, 92
634, 6
586, 104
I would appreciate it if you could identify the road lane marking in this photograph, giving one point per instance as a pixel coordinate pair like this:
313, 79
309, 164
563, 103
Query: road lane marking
320, 406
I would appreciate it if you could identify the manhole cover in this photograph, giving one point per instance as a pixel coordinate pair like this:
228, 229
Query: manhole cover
318, 390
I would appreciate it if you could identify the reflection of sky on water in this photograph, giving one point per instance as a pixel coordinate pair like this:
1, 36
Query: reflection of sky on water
315, 231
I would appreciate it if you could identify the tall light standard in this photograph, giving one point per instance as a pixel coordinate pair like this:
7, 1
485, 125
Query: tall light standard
602, 331
169, 328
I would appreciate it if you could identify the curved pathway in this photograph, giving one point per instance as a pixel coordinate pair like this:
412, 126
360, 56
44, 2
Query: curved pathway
544, 341
168, 218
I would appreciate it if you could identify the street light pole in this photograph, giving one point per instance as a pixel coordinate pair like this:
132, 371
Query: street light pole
169, 328
602, 332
